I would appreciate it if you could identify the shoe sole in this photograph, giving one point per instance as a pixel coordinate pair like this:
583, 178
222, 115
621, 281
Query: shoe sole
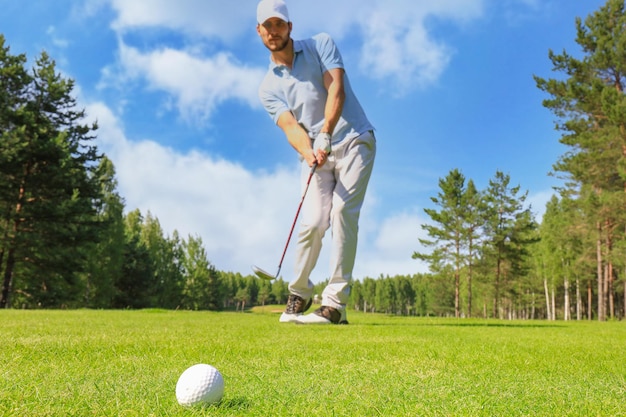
289, 318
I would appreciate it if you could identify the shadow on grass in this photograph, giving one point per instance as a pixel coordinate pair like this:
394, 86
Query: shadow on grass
522, 325
468, 324
239, 403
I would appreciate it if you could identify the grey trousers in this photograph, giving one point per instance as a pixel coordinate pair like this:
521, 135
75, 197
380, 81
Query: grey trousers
334, 200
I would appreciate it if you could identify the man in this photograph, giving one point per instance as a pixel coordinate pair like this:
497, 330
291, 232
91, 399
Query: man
308, 95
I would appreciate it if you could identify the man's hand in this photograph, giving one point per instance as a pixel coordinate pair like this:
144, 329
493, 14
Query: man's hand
322, 141
321, 148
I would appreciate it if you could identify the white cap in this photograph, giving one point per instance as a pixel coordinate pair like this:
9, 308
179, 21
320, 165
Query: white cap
271, 8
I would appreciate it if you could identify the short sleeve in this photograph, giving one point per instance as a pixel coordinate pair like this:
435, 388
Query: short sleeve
329, 54
274, 105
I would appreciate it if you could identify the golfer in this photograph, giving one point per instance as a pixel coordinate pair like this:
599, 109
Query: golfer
307, 94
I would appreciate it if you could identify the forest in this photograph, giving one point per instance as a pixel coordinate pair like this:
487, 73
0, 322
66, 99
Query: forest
67, 240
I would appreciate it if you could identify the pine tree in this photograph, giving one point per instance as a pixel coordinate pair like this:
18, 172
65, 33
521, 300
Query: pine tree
474, 219
106, 257
48, 191
508, 232
135, 283
201, 289
590, 105
448, 233
166, 255
562, 242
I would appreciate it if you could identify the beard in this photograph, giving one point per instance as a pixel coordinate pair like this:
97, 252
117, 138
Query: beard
280, 45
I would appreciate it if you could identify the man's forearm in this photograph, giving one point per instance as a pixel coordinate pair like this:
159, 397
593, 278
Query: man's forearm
333, 109
297, 137
333, 81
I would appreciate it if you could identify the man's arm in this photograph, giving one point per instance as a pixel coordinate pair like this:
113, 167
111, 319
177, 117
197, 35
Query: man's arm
336, 96
333, 81
297, 137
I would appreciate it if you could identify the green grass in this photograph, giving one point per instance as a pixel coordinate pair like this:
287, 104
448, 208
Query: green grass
126, 363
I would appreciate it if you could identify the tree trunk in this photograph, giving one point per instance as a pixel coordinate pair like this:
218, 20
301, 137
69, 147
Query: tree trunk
624, 305
457, 284
578, 300
609, 300
553, 303
600, 274
566, 312
8, 279
609, 289
3, 296
605, 286
469, 288
496, 306
545, 287
589, 301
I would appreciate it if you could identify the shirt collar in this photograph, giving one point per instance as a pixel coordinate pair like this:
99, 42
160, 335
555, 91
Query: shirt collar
297, 48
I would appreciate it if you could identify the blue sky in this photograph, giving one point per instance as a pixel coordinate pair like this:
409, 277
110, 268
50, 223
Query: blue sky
173, 85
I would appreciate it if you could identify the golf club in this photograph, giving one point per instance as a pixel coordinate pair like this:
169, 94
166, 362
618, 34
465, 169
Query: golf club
261, 273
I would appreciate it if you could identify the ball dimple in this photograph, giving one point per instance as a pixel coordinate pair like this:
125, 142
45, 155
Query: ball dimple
199, 384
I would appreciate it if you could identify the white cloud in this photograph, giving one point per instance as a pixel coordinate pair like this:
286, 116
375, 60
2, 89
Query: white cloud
538, 201
87, 9
396, 46
406, 58
197, 84
55, 39
243, 217
213, 18
392, 244
240, 215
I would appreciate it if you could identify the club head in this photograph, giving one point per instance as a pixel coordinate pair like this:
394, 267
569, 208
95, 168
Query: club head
262, 273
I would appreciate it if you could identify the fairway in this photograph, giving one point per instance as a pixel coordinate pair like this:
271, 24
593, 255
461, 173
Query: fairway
126, 363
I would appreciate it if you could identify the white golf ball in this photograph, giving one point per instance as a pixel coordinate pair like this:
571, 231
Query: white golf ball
199, 384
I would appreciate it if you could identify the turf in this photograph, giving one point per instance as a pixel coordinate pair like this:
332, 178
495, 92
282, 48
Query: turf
126, 363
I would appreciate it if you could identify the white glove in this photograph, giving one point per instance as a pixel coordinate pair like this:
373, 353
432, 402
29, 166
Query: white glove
322, 141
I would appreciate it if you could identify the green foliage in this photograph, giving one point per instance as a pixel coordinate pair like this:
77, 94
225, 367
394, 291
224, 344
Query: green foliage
106, 256
48, 187
65, 241
451, 229
489, 228
590, 105
398, 295
509, 231
199, 277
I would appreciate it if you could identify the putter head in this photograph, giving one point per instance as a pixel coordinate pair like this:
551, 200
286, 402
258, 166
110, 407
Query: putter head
262, 273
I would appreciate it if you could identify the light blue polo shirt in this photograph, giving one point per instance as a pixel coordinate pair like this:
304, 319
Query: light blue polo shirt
301, 90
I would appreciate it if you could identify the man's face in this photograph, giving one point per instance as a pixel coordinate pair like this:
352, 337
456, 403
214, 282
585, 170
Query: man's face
275, 33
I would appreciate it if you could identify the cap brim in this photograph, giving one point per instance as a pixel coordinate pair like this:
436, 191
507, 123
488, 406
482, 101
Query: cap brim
279, 16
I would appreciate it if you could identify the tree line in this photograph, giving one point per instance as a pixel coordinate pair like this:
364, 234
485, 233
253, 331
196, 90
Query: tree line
575, 259
66, 241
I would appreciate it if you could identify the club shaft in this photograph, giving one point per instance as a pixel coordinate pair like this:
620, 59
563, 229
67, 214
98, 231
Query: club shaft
295, 220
